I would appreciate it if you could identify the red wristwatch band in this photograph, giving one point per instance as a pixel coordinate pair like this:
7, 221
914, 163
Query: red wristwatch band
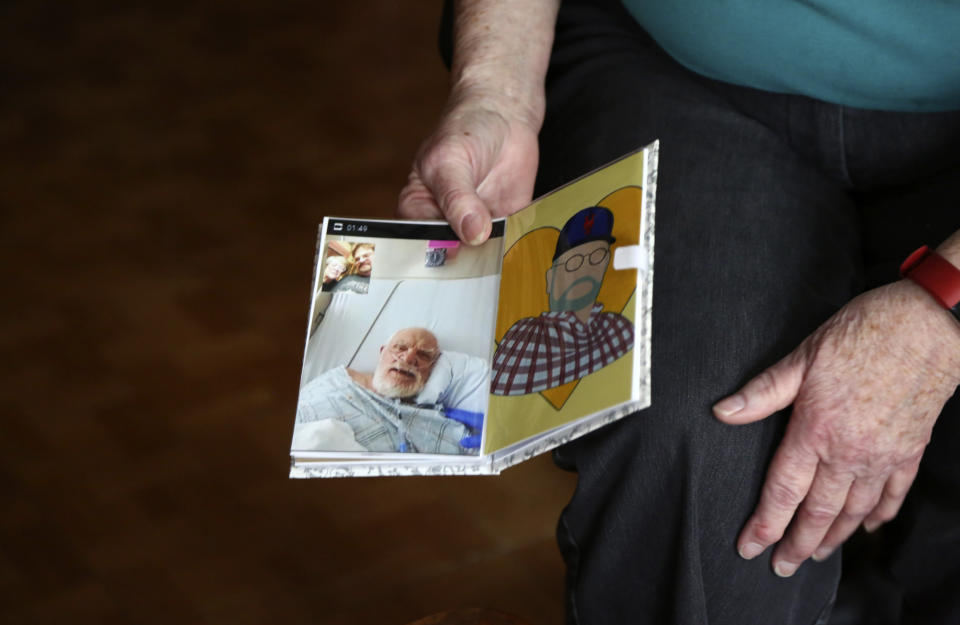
936, 275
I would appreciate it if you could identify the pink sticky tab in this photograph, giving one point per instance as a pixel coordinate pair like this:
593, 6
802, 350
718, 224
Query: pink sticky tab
444, 244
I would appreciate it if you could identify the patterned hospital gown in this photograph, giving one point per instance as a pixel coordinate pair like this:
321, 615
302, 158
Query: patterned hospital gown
379, 423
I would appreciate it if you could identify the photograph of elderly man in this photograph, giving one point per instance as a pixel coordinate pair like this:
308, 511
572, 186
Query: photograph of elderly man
348, 410
574, 337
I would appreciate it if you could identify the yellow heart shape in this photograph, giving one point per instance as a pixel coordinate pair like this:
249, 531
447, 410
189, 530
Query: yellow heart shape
523, 288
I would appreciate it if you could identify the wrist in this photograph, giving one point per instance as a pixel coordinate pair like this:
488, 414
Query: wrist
934, 336
937, 276
936, 333
513, 99
501, 54
950, 249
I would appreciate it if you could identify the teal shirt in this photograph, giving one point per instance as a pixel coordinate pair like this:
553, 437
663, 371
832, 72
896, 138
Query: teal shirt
897, 55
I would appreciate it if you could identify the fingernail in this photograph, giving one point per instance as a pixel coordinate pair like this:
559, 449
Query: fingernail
730, 405
871, 526
784, 569
822, 554
748, 551
472, 228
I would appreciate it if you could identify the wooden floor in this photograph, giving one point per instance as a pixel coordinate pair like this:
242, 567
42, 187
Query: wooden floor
164, 169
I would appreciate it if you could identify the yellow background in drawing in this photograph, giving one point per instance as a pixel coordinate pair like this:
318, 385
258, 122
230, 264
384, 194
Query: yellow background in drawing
530, 240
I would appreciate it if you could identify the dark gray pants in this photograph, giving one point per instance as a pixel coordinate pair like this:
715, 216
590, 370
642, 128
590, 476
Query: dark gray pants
772, 212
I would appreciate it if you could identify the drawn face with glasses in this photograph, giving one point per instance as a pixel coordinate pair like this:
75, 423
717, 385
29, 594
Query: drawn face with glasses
574, 279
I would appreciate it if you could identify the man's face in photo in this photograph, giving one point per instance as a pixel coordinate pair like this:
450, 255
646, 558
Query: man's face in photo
363, 259
574, 280
405, 363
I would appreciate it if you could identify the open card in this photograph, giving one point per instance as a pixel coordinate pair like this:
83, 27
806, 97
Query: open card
426, 356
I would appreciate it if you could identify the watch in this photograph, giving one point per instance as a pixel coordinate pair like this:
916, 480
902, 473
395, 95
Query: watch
936, 275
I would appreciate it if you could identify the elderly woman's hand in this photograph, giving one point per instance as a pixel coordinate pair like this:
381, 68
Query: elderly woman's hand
866, 389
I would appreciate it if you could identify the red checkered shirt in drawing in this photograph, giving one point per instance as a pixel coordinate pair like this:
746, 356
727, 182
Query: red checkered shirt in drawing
542, 352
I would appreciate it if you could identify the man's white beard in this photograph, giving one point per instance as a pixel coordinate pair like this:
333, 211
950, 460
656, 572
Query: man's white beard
403, 388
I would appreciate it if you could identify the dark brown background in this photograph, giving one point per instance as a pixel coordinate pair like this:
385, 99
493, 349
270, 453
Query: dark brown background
164, 168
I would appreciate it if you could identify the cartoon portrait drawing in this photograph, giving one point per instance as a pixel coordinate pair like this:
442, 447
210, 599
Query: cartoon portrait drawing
575, 336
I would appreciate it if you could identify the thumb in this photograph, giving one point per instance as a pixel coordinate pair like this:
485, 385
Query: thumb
455, 191
772, 390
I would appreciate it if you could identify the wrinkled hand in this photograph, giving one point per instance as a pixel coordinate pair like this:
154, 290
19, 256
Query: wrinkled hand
480, 163
866, 389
